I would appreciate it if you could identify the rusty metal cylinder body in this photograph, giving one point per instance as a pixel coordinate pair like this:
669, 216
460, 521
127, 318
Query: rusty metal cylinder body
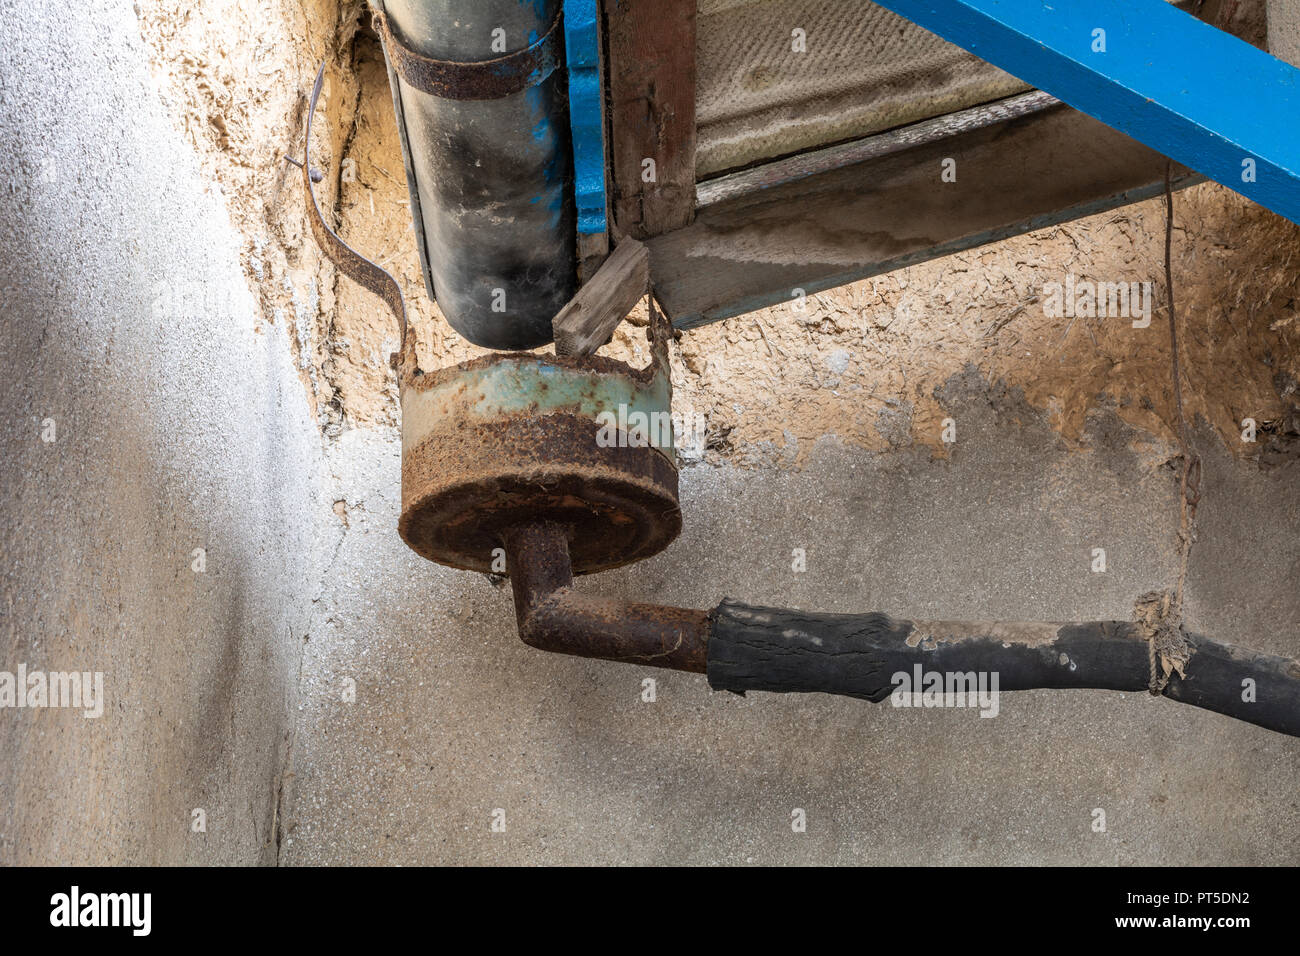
508, 439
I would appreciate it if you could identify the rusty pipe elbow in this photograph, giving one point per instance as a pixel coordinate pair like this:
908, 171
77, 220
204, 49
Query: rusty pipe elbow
553, 617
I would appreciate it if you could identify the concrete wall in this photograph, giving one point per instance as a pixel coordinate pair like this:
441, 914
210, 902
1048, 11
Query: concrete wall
1284, 30
454, 718
455, 724
178, 423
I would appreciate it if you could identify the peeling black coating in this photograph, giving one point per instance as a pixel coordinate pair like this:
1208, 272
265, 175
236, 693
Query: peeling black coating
856, 655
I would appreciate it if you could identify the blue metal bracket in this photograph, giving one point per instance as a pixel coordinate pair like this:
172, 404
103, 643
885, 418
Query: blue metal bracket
586, 106
1199, 95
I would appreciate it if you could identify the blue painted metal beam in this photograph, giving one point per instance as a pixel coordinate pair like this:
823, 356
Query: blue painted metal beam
586, 110
1199, 95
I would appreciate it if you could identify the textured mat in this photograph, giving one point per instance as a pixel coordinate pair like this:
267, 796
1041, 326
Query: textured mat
864, 70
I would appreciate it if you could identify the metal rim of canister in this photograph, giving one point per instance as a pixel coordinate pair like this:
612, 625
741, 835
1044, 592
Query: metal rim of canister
495, 441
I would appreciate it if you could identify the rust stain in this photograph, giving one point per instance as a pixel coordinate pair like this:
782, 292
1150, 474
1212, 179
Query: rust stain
467, 483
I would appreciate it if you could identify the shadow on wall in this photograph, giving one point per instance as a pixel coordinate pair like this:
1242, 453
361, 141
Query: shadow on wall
158, 461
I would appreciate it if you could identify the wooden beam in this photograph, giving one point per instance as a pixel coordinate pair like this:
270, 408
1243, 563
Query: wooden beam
651, 51
591, 316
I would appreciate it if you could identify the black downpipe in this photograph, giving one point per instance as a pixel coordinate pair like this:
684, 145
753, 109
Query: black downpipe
488, 160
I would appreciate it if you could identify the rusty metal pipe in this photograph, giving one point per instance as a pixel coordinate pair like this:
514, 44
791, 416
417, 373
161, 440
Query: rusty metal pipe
553, 617
744, 648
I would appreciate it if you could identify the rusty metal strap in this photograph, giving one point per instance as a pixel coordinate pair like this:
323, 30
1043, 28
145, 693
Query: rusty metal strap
350, 262
479, 80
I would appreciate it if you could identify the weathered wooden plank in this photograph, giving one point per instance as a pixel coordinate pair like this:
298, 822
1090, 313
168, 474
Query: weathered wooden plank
820, 231
591, 316
651, 53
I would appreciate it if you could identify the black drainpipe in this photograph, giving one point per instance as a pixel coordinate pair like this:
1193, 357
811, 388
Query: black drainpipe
480, 94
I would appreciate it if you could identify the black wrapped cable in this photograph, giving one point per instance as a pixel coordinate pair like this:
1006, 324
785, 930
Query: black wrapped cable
857, 655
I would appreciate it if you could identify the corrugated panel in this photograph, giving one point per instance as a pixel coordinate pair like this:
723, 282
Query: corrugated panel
864, 70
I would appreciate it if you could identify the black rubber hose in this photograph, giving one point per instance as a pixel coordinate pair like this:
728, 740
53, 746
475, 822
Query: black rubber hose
858, 655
